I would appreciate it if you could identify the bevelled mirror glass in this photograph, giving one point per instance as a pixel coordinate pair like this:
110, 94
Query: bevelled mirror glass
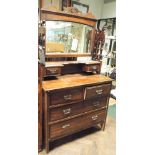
67, 37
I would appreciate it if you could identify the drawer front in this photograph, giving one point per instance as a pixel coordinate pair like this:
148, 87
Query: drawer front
53, 71
100, 90
91, 68
67, 96
65, 111
77, 108
76, 124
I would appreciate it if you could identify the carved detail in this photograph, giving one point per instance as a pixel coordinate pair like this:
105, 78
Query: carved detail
98, 45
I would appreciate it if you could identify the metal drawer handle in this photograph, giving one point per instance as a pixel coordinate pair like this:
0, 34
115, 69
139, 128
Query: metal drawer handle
95, 104
65, 126
53, 70
66, 111
100, 91
94, 117
94, 67
68, 97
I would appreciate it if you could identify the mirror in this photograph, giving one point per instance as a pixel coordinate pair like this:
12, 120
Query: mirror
67, 37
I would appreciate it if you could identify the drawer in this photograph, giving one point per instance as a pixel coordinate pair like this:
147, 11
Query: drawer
53, 71
100, 90
91, 68
76, 124
66, 96
76, 108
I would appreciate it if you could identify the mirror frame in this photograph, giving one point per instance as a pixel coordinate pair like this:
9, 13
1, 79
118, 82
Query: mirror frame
50, 15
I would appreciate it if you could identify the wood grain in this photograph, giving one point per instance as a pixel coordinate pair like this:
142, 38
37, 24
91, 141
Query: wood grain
74, 81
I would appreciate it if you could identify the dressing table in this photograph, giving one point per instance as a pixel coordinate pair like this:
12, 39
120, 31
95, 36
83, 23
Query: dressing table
73, 95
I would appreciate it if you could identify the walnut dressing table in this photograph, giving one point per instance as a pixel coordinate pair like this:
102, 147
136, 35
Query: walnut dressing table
73, 103
73, 95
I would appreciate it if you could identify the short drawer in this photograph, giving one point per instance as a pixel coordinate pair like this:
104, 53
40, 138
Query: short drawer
76, 124
53, 71
76, 108
66, 96
99, 90
91, 68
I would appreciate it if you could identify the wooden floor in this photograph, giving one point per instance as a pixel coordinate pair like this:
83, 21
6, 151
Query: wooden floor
90, 142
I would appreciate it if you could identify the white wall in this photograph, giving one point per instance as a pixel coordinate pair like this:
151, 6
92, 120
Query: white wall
109, 10
95, 6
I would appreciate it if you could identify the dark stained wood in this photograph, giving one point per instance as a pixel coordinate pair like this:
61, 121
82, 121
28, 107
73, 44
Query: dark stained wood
53, 15
70, 67
40, 107
66, 96
76, 124
76, 105
46, 120
53, 70
99, 90
77, 108
73, 98
92, 68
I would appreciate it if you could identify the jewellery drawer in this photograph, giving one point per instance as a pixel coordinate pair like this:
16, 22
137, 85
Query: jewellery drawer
76, 124
53, 70
100, 90
76, 108
66, 96
91, 68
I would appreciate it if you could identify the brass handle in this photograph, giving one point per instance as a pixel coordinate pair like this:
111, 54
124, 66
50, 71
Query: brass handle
94, 67
94, 117
66, 111
95, 104
53, 70
68, 97
65, 126
100, 91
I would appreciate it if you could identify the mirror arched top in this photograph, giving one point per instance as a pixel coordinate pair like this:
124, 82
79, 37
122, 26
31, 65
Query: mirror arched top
49, 15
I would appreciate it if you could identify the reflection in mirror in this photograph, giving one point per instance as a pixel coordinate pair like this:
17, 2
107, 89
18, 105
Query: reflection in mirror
67, 37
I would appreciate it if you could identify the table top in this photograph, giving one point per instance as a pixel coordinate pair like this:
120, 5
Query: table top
74, 80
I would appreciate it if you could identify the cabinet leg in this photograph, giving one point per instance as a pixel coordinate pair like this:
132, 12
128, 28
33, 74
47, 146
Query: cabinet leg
47, 147
103, 126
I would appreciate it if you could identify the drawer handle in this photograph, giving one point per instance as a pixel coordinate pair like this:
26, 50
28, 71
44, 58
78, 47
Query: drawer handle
94, 67
94, 117
68, 97
65, 126
66, 111
53, 70
100, 91
95, 104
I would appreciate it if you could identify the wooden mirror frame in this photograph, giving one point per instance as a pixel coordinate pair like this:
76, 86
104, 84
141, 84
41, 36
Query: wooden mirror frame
50, 15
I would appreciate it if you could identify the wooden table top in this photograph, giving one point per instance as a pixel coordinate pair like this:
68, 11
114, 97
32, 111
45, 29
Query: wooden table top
62, 63
69, 81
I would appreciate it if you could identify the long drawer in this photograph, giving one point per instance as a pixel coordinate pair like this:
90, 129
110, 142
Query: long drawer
66, 96
76, 124
96, 91
77, 108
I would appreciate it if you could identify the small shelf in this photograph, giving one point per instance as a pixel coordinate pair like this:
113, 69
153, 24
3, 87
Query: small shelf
62, 63
67, 55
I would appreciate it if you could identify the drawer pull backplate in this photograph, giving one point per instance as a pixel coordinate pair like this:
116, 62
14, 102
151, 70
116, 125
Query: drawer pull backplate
65, 126
94, 117
67, 111
100, 91
68, 97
